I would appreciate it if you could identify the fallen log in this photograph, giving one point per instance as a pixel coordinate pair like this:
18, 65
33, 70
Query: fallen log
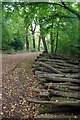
72, 62
42, 69
61, 83
52, 103
49, 67
57, 117
51, 64
50, 60
66, 64
56, 57
42, 57
50, 93
37, 72
61, 99
42, 81
58, 66
55, 70
43, 54
43, 75
67, 70
60, 56
58, 62
44, 95
59, 109
39, 90
64, 94
76, 76
61, 79
61, 86
67, 59
35, 65
69, 75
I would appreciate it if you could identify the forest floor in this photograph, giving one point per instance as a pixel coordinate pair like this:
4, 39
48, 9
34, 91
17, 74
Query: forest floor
18, 81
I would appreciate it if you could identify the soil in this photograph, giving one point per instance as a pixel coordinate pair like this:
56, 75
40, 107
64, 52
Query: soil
18, 81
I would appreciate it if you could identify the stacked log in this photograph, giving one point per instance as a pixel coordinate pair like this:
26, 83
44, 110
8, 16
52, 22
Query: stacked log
59, 88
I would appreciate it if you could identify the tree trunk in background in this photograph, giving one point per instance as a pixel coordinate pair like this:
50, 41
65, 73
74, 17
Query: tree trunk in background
44, 43
42, 33
56, 42
52, 42
33, 39
27, 41
57, 38
39, 43
78, 46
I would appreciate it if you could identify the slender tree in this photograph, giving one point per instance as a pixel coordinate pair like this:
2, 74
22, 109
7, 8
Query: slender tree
39, 43
57, 34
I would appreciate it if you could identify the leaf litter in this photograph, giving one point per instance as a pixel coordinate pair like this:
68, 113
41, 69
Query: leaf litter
17, 86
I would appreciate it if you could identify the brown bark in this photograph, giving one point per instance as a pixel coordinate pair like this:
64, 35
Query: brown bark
57, 39
33, 39
39, 43
44, 44
52, 42
57, 117
57, 62
50, 93
46, 74
60, 109
27, 41
69, 70
49, 67
71, 10
42, 69
62, 79
64, 94
72, 76
61, 87
72, 103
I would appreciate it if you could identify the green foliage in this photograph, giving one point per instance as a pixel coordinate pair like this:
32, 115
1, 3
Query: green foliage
17, 44
43, 110
46, 18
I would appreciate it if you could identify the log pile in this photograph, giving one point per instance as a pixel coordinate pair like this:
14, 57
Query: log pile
59, 89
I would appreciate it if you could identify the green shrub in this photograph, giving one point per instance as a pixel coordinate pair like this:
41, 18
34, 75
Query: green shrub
17, 44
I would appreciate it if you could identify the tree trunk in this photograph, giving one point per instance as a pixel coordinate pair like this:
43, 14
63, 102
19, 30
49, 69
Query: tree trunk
61, 87
58, 117
57, 39
64, 94
52, 42
59, 109
33, 39
61, 79
49, 67
27, 41
54, 103
78, 40
39, 43
44, 43
42, 33
71, 10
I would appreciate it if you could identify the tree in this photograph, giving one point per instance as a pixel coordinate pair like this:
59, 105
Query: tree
24, 18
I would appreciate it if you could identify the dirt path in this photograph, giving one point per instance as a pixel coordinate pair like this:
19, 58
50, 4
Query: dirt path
18, 81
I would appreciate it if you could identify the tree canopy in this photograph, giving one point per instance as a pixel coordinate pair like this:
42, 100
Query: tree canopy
49, 26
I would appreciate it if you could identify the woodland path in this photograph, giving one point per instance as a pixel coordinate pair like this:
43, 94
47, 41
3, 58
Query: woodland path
18, 81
